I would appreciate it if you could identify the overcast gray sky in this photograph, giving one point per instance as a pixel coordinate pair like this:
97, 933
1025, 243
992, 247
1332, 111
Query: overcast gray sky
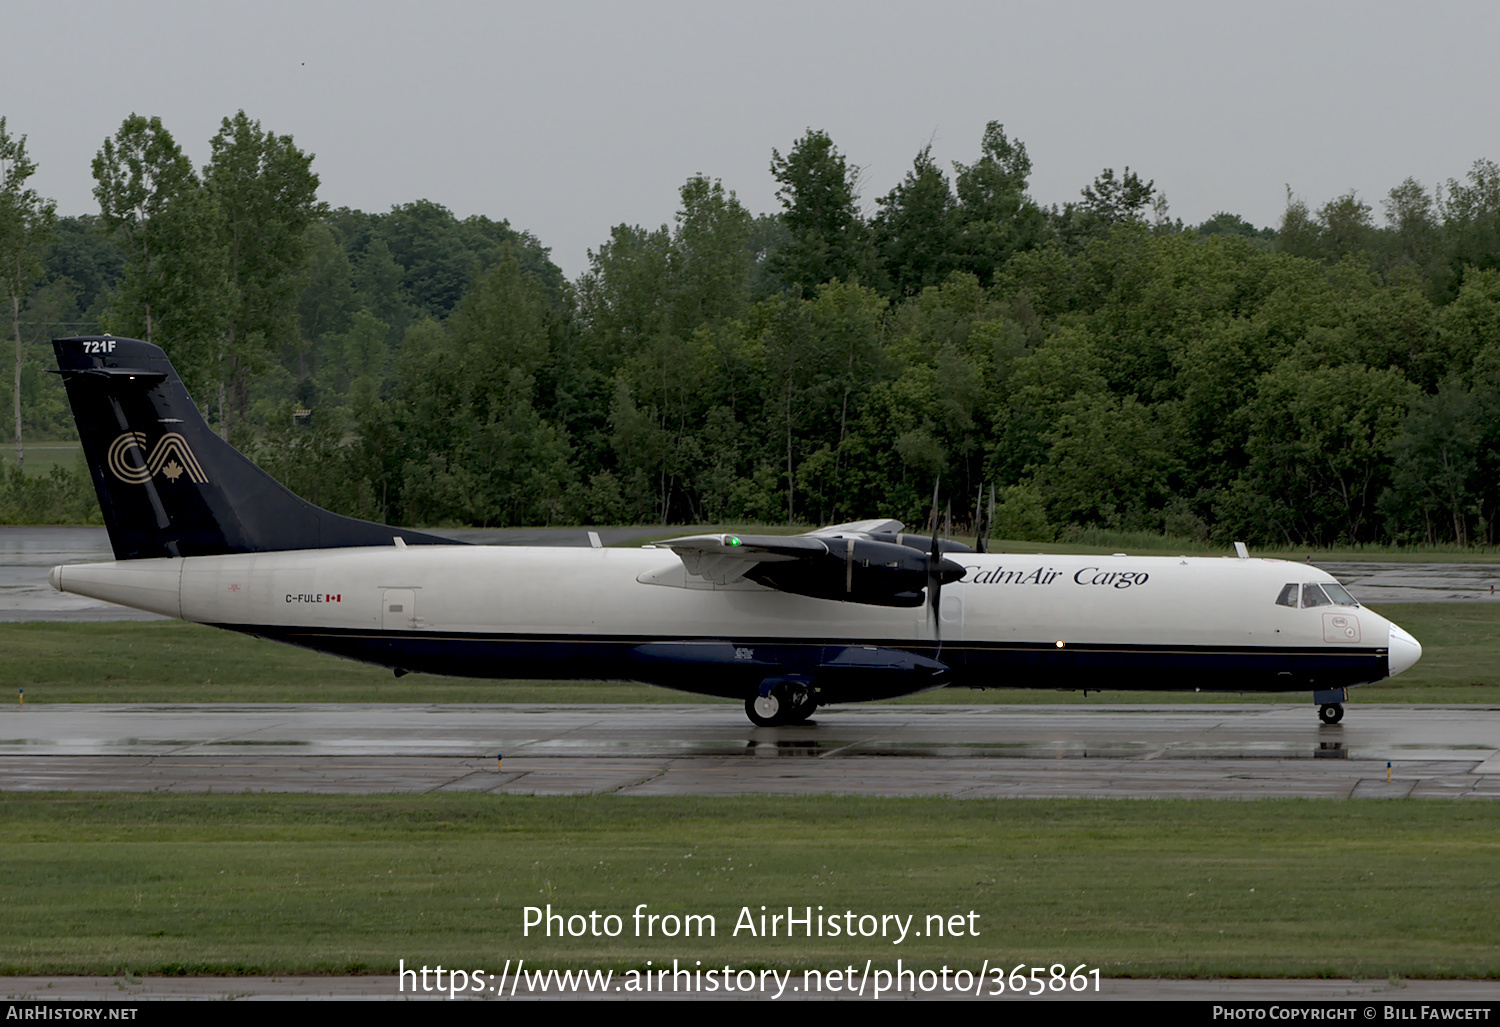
567, 118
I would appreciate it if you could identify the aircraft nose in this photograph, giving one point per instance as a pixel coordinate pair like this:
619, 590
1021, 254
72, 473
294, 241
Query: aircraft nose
1405, 651
55, 578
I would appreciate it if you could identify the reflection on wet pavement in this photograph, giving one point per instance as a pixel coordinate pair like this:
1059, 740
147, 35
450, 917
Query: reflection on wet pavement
1218, 751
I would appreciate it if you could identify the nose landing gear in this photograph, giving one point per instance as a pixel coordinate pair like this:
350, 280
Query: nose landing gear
1330, 704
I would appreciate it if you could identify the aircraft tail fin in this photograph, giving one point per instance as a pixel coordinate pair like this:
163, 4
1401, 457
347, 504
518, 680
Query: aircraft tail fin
167, 484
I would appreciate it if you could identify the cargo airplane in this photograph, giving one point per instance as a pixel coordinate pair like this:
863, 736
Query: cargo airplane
846, 613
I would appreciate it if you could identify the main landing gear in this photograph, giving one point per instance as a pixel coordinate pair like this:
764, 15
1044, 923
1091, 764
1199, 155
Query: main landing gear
785, 702
1331, 713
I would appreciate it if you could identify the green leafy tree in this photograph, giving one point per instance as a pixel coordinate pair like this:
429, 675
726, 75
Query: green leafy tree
710, 261
472, 440
438, 267
1485, 391
624, 296
1471, 223
266, 194
1318, 444
819, 194
624, 307
26, 228
380, 285
1347, 226
89, 262
791, 366
1108, 203
1112, 200
173, 289
913, 232
1339, 227
1415, 234
1436, 464
1471, 322
1224, 223
995, 216
329, 299
353, 364
1299, 233
642, 447
819, 359
659, 316
1066, 366
502, 322
1109, 464
941, 357
417, 260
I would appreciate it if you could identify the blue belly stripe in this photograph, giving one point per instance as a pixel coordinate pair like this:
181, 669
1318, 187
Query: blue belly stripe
708, 666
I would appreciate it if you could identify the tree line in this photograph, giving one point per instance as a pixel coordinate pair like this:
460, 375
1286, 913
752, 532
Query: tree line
1101, 364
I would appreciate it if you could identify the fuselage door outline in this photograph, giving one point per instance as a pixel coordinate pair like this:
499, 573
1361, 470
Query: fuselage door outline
398, 609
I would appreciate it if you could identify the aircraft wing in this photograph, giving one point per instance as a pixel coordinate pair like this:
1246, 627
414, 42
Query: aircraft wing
838, 563
725, 559
863, 528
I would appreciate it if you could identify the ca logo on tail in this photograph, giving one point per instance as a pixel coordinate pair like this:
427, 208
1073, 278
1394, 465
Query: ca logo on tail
171, 456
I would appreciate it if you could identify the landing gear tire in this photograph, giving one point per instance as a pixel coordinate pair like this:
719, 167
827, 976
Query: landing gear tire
765, 710
1331, 713
786, 703
803, 707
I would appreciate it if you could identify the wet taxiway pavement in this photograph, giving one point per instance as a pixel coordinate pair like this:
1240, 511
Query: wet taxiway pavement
1378, 583
27, 553
1182, 751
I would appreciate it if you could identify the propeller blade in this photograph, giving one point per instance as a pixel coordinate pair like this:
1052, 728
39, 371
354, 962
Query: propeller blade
990, 523
979, 527
934, 579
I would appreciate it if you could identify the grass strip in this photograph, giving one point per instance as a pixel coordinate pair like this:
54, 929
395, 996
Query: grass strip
249, 884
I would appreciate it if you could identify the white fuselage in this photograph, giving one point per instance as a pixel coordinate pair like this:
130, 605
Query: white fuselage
1006, 603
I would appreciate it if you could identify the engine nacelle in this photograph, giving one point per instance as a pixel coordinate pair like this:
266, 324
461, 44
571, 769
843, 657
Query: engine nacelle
859, 571
921, 542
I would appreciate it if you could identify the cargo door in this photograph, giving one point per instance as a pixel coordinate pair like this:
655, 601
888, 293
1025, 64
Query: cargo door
398, 609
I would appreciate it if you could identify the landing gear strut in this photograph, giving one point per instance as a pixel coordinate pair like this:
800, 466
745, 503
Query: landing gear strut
1331, 713
786, 702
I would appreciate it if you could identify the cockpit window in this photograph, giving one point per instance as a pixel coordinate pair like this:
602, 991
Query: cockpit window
1339, 594
1288, 596
1313, 595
